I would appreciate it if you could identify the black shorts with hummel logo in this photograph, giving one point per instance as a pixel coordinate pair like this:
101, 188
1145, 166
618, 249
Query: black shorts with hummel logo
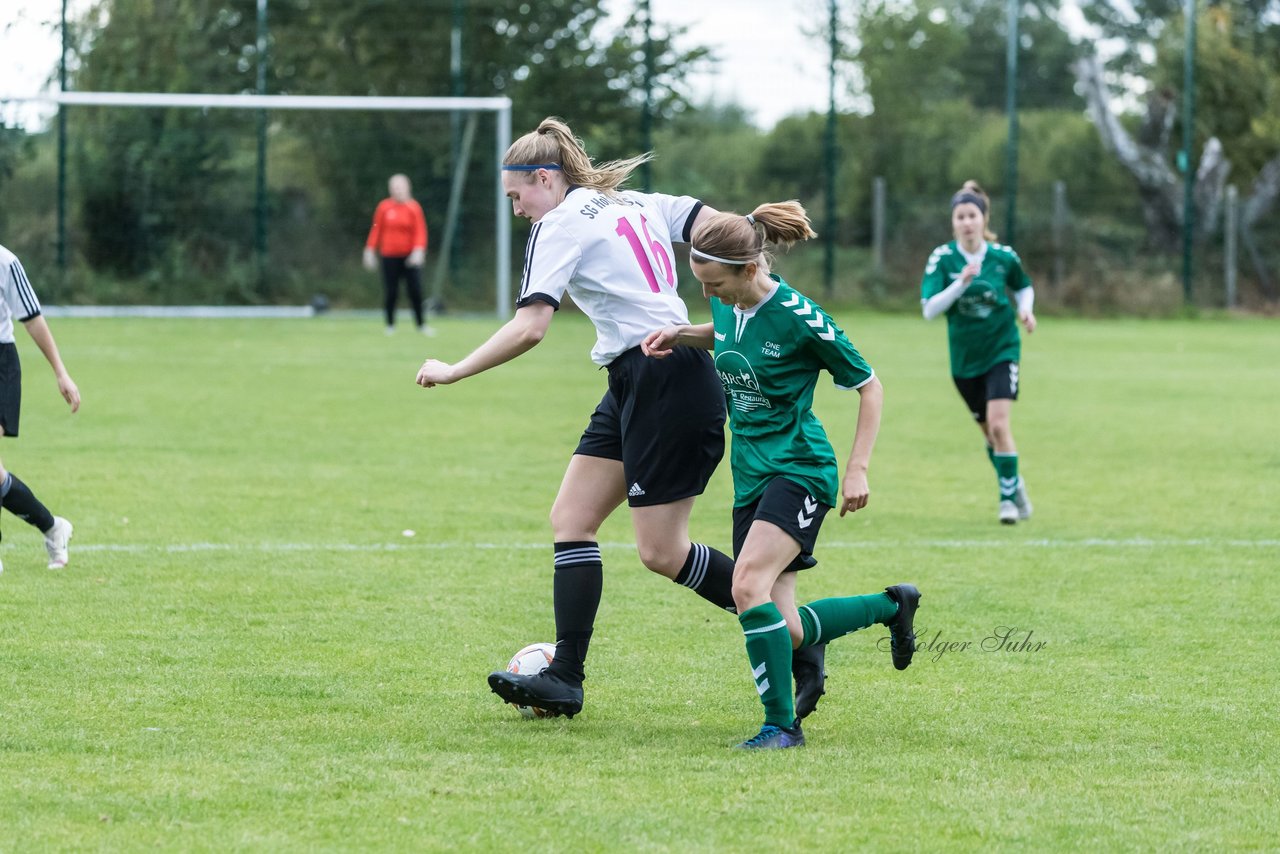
999, 383
788, 505
664, 419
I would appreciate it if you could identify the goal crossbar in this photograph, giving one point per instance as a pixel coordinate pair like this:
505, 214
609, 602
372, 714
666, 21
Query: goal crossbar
499, 106
279, 102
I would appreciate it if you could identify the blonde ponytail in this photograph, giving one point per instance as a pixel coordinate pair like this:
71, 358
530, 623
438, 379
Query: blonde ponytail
552, 144
736, 239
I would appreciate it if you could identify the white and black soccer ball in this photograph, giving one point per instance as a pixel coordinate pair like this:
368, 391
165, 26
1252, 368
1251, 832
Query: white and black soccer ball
532, 659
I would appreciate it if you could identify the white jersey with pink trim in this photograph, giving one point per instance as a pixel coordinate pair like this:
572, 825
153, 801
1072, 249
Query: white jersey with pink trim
613, 255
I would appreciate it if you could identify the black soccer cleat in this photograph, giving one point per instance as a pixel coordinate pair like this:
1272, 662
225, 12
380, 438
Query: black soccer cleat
808, 666
540, 690
902, 635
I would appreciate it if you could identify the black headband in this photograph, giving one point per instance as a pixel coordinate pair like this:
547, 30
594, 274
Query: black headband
965, 197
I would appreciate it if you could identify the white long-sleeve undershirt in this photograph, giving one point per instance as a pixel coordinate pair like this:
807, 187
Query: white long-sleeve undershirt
943, 299
1026, 298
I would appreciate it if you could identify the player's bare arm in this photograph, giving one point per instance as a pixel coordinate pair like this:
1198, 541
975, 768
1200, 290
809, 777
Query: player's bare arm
517, 336
39, 330
855, 491
661, 342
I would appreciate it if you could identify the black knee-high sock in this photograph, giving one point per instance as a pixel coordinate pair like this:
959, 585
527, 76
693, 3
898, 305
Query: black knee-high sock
18, 500
579, 578
709, 573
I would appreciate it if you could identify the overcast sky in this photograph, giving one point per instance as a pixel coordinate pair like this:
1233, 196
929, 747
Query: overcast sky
767, 63
770, 60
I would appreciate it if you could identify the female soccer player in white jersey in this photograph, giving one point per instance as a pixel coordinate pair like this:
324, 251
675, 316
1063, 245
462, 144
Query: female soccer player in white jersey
658, 433
19, 301
969, 279
771, 343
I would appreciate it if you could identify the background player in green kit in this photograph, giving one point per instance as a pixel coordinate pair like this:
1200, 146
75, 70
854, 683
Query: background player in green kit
770, 344
970, 280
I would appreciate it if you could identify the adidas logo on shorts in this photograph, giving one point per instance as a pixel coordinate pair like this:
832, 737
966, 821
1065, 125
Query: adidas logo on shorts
635, 491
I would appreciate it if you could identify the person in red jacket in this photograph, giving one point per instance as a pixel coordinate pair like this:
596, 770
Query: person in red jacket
399, 236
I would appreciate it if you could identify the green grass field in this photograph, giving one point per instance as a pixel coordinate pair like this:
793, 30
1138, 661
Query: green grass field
246, 652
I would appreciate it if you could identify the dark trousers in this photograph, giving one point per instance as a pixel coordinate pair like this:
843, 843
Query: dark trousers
393, 269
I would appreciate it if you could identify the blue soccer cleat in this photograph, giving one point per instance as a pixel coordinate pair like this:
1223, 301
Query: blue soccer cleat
773, 737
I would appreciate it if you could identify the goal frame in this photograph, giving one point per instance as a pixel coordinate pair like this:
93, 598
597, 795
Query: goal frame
499, 106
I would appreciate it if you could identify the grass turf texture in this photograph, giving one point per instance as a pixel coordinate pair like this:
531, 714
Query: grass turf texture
246, 652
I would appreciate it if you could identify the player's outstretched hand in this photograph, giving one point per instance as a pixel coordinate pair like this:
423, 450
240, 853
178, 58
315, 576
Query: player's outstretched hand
434, 372
1028, 320
69, 391
370, 259
660, 343
854, 492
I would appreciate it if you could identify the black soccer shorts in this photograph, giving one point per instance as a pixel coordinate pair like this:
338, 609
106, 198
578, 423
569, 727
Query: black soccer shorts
999, 383
10, 388
664, 419
788, 505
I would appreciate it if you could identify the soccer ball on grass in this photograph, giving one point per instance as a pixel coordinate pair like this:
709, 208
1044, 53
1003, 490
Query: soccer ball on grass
532, 659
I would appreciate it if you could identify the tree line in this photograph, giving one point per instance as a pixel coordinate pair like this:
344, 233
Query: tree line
165, 195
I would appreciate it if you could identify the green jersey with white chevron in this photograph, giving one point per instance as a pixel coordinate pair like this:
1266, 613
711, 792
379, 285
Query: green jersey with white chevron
981, 325
769, 357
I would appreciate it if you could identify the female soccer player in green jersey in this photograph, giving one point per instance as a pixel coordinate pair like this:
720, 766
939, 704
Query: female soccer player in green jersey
770, 344
969, 279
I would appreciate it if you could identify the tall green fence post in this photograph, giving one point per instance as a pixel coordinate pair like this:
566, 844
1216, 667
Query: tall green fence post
260, 194
830, 156
646, 114
1011, 107
1184, 156
62, 154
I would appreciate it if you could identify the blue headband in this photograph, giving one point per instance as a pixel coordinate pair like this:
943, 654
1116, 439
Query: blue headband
530, 167
965, 197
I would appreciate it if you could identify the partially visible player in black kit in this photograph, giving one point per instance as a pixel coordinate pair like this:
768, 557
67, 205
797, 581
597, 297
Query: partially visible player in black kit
19, 300
657, 434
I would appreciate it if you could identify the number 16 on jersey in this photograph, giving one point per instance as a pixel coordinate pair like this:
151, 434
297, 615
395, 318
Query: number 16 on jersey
626, 230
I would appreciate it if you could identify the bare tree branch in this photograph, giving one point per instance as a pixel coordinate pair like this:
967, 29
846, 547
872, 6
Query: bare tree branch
1146, 164
1266, 188
1211, 181
1159, 186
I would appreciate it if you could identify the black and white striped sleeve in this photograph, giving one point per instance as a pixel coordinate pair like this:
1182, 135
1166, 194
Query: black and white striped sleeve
551, 258
678, 212
19, 293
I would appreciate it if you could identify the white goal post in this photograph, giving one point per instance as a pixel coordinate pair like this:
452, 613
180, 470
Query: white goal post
499, 106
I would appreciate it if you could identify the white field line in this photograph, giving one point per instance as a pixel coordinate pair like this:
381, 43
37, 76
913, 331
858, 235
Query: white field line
278, 548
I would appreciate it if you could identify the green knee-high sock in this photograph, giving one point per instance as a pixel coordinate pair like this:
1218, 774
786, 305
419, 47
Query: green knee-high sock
828, 619
991, 455
769, 651
1007, 472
